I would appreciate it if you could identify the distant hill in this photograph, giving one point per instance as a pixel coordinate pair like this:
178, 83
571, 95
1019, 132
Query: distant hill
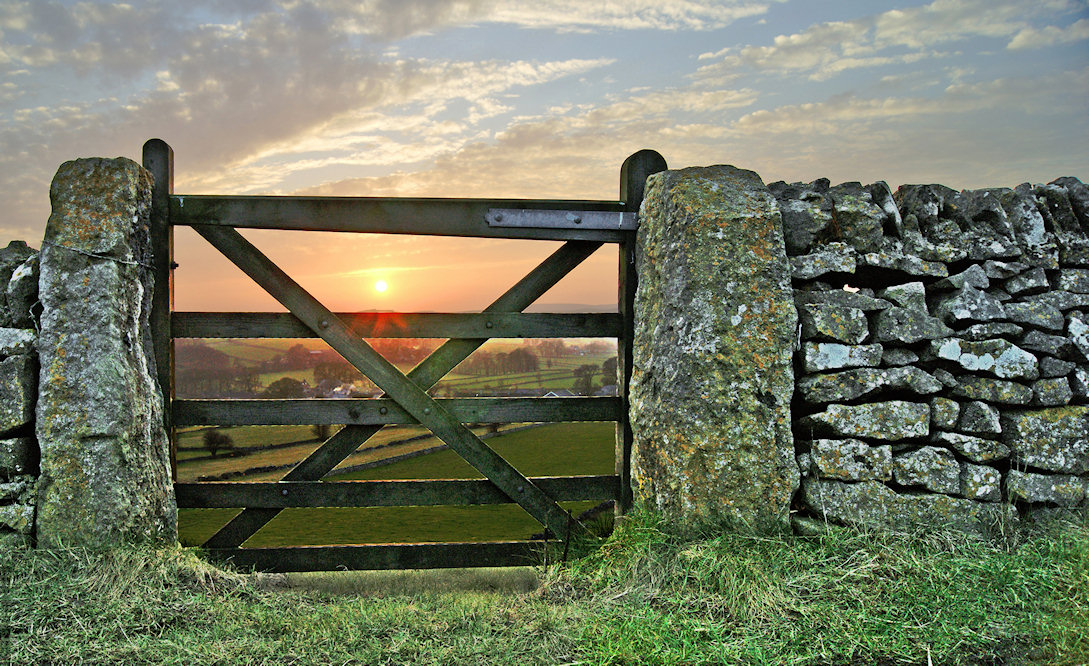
571, 307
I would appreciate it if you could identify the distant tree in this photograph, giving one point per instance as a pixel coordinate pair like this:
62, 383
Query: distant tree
608, 371
285, 387
584, 379
215, 441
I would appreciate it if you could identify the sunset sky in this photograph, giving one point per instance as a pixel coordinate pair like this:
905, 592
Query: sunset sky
537, 99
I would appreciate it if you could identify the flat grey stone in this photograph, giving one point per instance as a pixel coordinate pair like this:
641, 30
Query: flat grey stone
830, 258
851, 384
911, 295
890, 421
1055, 439
872, 504
1063, 300
805, 214
22, 293
973, 276
967, 306
945, 377
857, 220
851, 460
898, 356
1075, 280
833, 324
824, 356
1079, 383
979, 418
1077, 329
1073, 249
989, 247
990, 330
18, 392
841, 298
1030, 282
1035, 314
1003, 269
1057, 208
1077, 193
1060, 489
932, 468
1052, 392
998, 391
907, 326
998, 357
18, 455
903, 263
18, 518
17, 341
981, 483
975, 449
1051, 345
11, 257
1053, 367
943, 413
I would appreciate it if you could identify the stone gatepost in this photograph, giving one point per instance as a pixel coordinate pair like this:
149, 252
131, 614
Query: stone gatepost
715, 325
105, 463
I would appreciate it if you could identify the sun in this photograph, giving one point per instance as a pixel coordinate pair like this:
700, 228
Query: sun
381, 285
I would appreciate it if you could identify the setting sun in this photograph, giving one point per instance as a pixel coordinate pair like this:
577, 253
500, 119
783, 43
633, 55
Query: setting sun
381, 285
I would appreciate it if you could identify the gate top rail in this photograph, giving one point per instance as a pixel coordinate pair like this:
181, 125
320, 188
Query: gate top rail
389, 215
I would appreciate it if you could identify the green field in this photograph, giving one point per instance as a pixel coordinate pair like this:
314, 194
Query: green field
555, 450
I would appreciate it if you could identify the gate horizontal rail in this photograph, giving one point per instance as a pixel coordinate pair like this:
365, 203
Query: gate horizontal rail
384, 411
384, 556
298, 494
401, 325
384, 215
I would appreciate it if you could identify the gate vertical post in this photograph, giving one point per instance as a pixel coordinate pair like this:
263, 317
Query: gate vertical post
158, 159
633, 181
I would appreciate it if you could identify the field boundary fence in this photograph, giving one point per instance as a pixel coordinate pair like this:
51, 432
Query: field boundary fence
582, 226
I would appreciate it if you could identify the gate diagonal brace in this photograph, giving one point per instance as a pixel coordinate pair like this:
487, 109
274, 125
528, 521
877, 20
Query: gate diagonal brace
386, 376
426, 374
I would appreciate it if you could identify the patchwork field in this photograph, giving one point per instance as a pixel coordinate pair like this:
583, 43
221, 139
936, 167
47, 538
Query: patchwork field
552, 450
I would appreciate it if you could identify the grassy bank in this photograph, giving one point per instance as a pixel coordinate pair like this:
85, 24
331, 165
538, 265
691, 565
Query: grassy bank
649, 595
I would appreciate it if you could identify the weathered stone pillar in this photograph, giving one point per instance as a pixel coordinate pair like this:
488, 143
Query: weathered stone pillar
715, 325
105, 472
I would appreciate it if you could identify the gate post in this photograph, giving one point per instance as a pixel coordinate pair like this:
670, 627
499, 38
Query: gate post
105, 473
633, 181
713, 377
158, 159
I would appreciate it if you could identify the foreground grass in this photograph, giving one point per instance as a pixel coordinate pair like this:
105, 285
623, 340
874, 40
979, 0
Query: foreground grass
649, 595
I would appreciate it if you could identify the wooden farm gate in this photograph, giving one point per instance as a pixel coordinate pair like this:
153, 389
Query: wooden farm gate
583, 225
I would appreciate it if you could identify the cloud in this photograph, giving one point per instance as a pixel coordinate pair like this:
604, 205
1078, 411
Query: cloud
1032, 38
892, 37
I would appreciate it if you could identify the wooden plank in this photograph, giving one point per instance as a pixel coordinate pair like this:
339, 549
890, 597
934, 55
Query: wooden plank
401, 325
633, 178
384, 411
444, 359
441, 217
286, 494
383, 556
158, 159
387, 377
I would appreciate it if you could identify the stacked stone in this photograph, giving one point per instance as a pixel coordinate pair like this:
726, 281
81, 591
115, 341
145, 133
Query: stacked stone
943, 356
18, 392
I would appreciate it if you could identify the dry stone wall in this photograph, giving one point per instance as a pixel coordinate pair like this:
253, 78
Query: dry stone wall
19, 453
942, 359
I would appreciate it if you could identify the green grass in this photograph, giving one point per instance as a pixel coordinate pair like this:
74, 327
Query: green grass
649, 595
561, 449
